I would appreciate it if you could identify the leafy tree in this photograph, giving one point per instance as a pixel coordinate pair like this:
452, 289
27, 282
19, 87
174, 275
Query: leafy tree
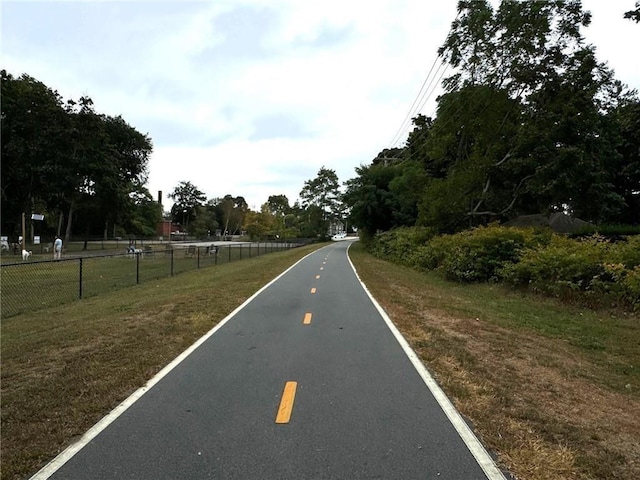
551, 150
143, 215
322, 192
321, 202
625, 127
66, 159
112, 157
278, 206
187, 198
33, 121
313, 223
531, 123
262, 223
467, 144
565, 144
125, 171
370, 198
514, 47
231, 211
204, 221
407, 188
634, 14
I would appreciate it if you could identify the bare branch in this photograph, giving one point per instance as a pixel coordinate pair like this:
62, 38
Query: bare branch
509, 207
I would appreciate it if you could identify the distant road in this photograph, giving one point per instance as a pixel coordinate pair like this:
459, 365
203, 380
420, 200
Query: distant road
306, 381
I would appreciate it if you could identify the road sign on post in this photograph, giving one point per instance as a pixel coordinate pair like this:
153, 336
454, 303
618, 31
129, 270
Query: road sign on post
37, 216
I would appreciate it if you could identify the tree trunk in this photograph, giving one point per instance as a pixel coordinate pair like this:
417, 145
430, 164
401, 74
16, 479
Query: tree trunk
86, 236
60, 220
67, 234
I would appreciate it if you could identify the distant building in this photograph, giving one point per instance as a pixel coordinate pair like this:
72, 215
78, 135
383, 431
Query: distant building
336, 227
164, 229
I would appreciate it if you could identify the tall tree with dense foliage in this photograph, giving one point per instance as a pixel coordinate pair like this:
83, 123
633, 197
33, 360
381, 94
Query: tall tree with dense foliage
231, 212
321, 198
625, 124
66, 159
33, 123
187, 198
278, 206
370, 199
530, 122
142, 217
323, 192
634, 14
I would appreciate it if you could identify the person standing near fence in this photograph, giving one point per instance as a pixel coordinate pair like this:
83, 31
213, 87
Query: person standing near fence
57, 248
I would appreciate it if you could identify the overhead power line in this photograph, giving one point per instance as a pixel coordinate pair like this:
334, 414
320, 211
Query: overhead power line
424, 94
415, 101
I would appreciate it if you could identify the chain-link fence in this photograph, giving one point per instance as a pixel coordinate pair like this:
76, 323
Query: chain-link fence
76, 246
29, 286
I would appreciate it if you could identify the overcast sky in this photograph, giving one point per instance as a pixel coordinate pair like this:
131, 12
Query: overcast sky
251, 98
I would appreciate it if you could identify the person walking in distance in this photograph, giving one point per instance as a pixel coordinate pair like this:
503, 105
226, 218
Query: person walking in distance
57, 248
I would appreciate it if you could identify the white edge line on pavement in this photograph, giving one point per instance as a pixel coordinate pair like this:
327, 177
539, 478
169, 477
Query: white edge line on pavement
66, 455
468, 437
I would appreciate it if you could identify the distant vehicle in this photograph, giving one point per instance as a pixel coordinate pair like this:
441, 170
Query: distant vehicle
4, 244
339, 236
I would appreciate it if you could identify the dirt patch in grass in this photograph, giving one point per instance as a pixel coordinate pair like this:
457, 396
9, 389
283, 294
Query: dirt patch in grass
550, 406
64, 368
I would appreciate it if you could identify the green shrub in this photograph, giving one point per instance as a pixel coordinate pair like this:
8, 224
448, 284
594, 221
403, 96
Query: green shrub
608, 231
632, 286
400, 245
563, 263
480, 254
626, 251
430, 255
593, 269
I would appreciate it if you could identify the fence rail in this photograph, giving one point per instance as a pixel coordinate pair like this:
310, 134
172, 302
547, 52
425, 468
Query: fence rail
30, 286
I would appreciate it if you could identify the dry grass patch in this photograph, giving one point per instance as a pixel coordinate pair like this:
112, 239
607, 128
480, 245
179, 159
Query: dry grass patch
64, 368
553, 390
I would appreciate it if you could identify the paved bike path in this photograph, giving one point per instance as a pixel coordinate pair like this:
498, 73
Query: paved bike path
360, 409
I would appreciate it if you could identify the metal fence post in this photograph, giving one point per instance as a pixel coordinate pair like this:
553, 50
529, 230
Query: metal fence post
241, 251
138, 268
80, 280
229, 249
171, 262
198, 257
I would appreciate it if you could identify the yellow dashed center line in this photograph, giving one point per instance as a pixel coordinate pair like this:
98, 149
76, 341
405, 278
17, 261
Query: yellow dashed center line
317, 277
286, 404
313, 290
307, 319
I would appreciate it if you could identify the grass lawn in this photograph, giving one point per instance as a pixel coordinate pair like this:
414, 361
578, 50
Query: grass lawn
42, 283
554, 390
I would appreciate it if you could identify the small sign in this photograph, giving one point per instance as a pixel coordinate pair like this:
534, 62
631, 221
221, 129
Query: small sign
36, 239
37, 216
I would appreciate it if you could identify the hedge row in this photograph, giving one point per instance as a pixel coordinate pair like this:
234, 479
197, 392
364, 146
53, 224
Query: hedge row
591, 269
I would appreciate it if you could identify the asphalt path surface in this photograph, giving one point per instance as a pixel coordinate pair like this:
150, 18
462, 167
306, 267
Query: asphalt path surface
306, 381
